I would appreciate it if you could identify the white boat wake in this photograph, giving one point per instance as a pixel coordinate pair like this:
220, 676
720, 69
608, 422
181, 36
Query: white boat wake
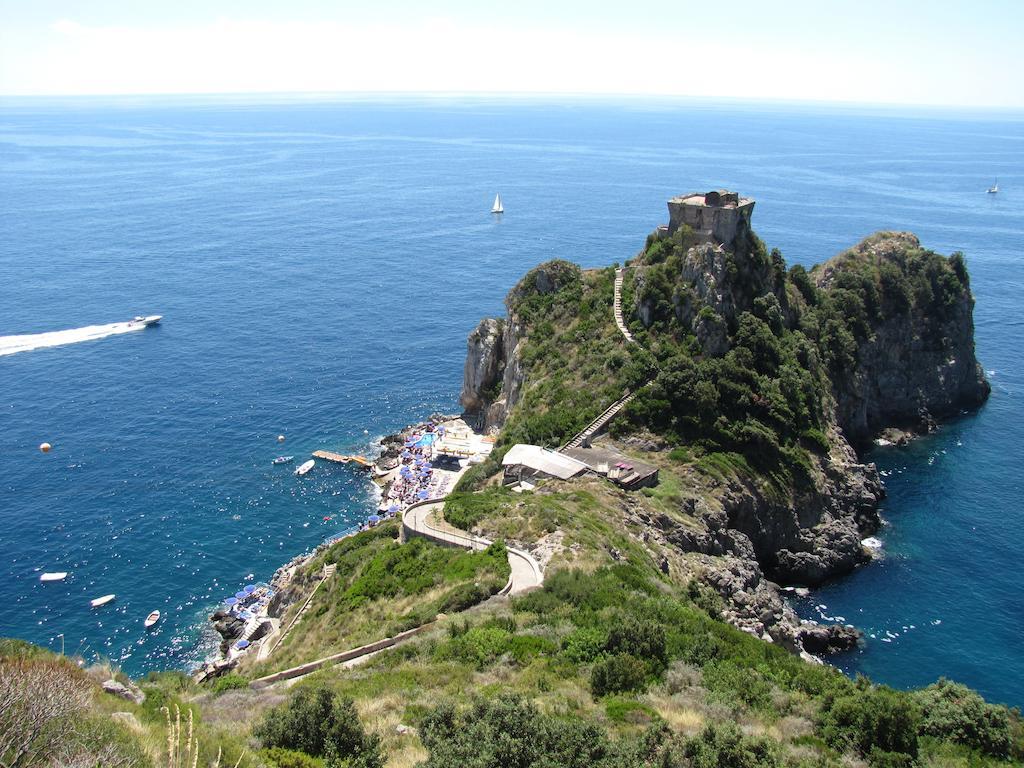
10, 345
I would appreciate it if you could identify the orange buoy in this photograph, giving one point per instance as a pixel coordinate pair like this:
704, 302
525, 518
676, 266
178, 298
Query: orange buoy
45, 447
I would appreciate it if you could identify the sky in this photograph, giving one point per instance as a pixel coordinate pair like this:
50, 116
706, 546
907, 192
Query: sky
906, 52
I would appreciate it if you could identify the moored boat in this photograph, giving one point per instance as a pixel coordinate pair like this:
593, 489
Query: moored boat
54, 576
304, 468
152, 619
101, 601
283, 460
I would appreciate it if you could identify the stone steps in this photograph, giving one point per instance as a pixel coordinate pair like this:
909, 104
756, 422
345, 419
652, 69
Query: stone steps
620, 274
600, 422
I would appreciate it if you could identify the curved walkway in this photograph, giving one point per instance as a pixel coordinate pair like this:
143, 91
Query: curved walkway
424, 519
417, 520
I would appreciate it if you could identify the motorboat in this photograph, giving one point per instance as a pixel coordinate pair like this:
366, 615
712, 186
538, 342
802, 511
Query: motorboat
152, 619
101, 601
54, 576
147, 320
283, 460
304, 468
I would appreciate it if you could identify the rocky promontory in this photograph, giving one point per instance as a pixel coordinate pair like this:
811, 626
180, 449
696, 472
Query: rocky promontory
770, 381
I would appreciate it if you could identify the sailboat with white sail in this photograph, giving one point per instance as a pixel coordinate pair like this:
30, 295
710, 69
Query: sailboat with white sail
497, 207
994, 188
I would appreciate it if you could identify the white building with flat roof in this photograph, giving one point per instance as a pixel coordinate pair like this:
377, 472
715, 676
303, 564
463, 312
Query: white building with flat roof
523, 460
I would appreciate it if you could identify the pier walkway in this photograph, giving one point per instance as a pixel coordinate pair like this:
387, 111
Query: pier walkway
341, 458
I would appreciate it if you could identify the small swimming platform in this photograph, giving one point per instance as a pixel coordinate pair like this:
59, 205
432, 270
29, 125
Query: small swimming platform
341, 458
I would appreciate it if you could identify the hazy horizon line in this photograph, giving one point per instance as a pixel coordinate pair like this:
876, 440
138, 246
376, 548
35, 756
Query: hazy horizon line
259, 97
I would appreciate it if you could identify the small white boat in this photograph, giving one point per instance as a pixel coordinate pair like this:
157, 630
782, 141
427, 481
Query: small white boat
283, 460
101, 601
994, 188
54, 576
304, 468
497, 207
147, 320
152, 619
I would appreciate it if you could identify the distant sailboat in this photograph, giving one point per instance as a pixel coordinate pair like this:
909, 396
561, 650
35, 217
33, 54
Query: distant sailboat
497, 207
991, 190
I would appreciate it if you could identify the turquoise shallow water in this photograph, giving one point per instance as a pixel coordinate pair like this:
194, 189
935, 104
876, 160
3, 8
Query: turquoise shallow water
319, 265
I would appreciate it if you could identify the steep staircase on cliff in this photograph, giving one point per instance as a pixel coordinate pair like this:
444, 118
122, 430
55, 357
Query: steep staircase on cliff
620, 274
612, 411
600, 422
328, 571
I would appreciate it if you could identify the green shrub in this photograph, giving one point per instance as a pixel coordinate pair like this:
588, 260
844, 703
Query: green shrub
478, 647
509, 732
584, 644
317, 721
871, 718
640, 639
733, 683
622, 710
724, 746
618, 674
278, 757
879, 758
955, 713
229, 682
464, 510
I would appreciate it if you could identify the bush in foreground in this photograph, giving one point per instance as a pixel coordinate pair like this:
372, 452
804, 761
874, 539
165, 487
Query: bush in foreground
618, 674
956, 713
317, 721
873, 722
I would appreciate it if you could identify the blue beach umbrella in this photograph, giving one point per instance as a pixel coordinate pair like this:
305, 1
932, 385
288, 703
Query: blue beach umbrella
242, 645
231, 601
393, 508
249, 589
423, 494
241, 595
373, 519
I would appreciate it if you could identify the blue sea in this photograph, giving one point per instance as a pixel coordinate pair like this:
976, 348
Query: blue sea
319, 264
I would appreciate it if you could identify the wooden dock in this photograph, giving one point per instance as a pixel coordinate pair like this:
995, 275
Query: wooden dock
340, 458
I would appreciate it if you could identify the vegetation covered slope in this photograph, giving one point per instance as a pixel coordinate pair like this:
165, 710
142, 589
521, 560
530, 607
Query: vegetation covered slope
381, 588
612, 663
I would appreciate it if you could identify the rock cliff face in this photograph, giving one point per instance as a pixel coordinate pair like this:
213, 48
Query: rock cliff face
492, 377
816, 534
916, 366
493, 374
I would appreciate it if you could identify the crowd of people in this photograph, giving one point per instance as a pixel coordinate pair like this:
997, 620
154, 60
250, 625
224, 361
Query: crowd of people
416, 478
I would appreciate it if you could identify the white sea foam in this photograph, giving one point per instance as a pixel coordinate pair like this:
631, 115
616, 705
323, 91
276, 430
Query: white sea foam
10, 345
